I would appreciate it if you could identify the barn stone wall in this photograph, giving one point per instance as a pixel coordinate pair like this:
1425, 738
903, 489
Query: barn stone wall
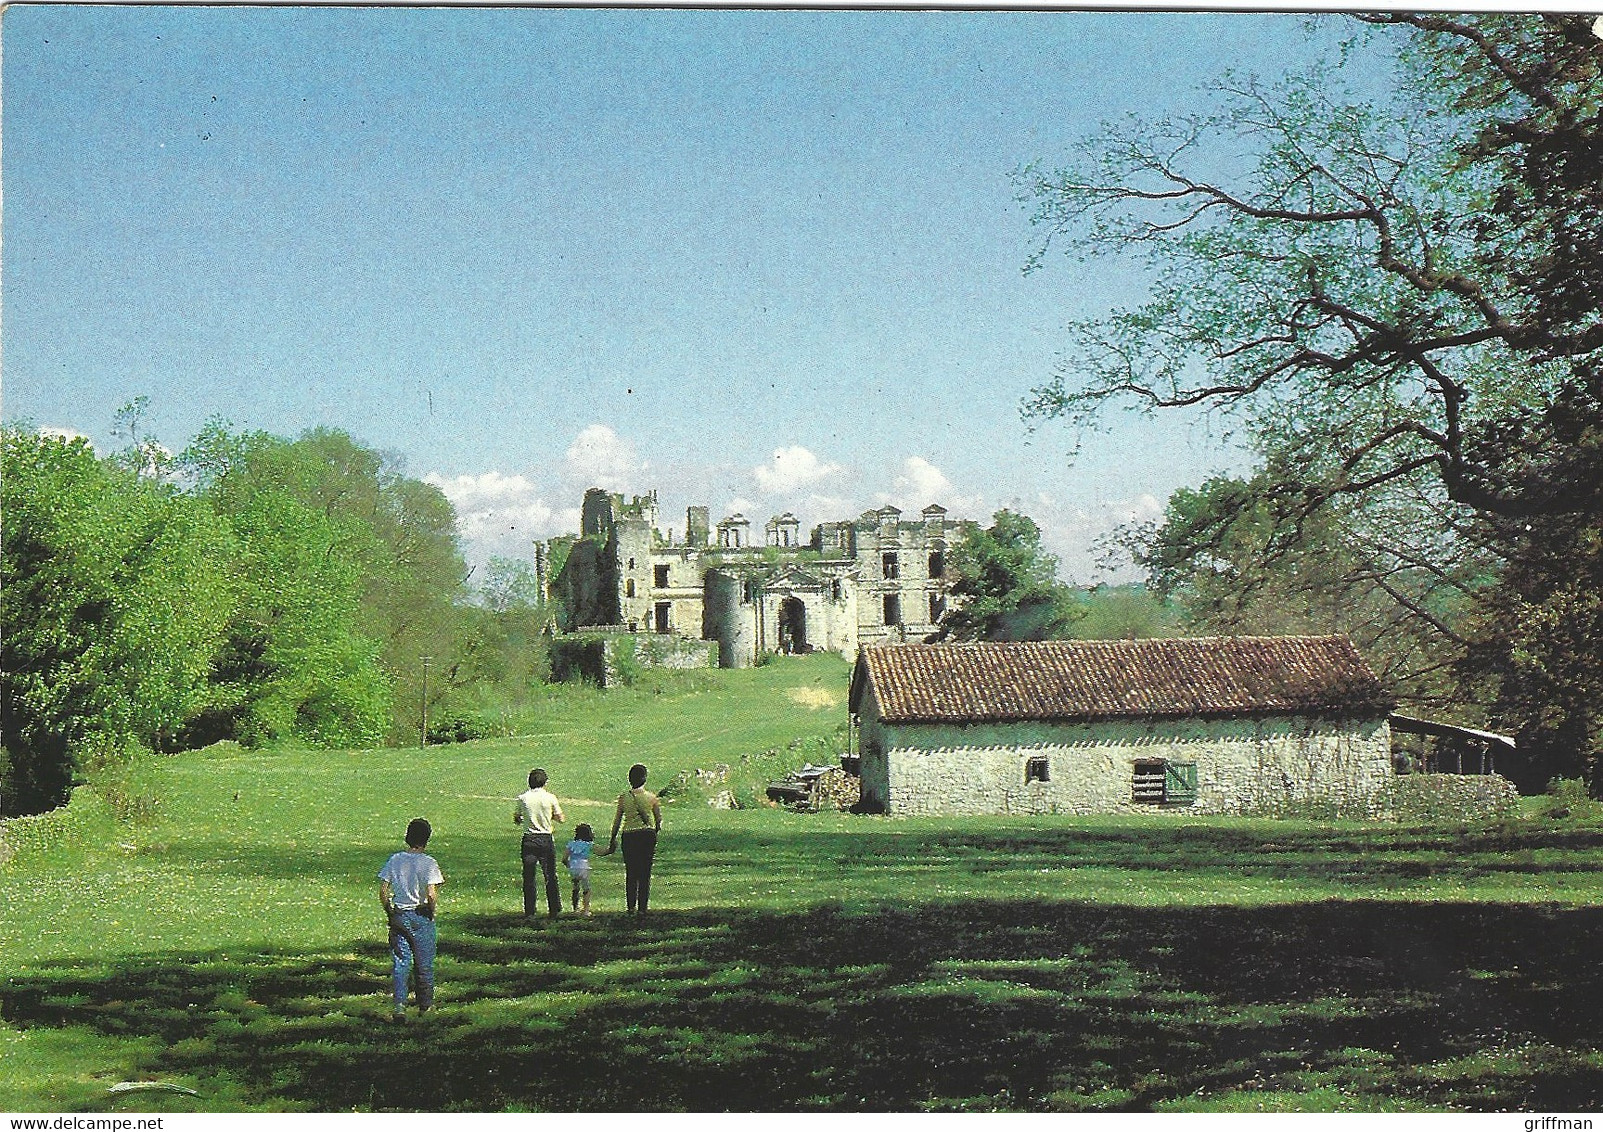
1271, 766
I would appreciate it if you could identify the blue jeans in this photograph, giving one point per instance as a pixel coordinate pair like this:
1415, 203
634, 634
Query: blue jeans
412, 949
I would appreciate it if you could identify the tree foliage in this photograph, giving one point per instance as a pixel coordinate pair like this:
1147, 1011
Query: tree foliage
1125, 612
114, 592
379, 579
1006, 586
507, 640
1399, 301
1384, 289
252, 588
1239, 556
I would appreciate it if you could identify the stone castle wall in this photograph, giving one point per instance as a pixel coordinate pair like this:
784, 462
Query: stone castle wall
862, 581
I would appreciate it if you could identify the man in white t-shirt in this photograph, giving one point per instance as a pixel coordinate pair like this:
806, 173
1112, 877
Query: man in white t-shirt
538, 811
409, 891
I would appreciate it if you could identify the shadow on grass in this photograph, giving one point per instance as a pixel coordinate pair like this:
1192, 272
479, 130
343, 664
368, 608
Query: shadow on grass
1375, 856
1001, 1004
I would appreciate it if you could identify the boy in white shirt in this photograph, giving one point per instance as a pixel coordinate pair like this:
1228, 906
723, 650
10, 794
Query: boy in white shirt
408, 890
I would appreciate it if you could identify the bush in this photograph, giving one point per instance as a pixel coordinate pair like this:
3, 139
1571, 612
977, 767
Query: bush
624, 666
1460, 798
123, 776
1567, 798
457, 729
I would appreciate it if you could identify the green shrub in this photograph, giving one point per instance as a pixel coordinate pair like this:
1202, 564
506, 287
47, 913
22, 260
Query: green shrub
579, 659
457, 728
123, 776
1567, 798
624, 667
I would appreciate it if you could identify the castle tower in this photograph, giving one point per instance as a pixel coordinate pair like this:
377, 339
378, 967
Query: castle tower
698, 526
734, 532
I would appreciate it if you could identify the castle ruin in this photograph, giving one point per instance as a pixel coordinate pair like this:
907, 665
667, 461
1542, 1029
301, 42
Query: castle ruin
855, 582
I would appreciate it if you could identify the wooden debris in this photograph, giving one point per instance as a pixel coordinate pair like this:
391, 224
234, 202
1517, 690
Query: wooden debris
813, 788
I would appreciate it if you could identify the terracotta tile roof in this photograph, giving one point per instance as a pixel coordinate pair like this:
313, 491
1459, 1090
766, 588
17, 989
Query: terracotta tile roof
1087, 680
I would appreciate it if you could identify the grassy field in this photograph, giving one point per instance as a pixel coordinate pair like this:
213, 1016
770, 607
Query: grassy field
233, 946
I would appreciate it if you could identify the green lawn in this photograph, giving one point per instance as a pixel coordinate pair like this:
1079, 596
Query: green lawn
792, 961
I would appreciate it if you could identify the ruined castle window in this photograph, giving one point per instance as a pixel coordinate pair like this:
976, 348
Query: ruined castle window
661, 573
1036, 769
889, 567
1164, 782
834, 590
631, 563
937, 607
893, 609
664, 611
629, 587
937, 563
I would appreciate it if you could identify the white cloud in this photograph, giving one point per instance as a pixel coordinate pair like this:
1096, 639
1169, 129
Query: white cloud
829, 508
1074, 534
599, 457
791, 470
67, 434
503, 515
921, 483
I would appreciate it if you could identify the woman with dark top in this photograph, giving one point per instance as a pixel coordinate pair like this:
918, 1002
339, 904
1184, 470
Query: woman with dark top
639, 816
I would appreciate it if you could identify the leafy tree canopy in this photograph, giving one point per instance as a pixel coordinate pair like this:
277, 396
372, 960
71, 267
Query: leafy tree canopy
1007, 588
114, 593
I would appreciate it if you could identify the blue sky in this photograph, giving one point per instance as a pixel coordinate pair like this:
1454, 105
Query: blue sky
759, 260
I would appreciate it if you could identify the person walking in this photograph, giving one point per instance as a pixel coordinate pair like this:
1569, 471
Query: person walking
639, 816
576, 855
537, 811
409, 892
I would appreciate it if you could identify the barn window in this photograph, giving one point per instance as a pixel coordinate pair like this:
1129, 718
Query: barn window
1163, 782
661, 573
1036, 769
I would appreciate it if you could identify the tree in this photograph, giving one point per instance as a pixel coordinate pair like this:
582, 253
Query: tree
1125, 613
1361, 296
1400, 304
114, 594
506, 637
297, 663
394, 535
1238, 556
1007, 587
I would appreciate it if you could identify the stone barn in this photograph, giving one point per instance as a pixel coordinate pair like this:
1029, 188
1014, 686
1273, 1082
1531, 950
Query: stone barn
1222, 725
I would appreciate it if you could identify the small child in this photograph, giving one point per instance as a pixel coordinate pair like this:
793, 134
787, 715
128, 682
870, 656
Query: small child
576, 855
